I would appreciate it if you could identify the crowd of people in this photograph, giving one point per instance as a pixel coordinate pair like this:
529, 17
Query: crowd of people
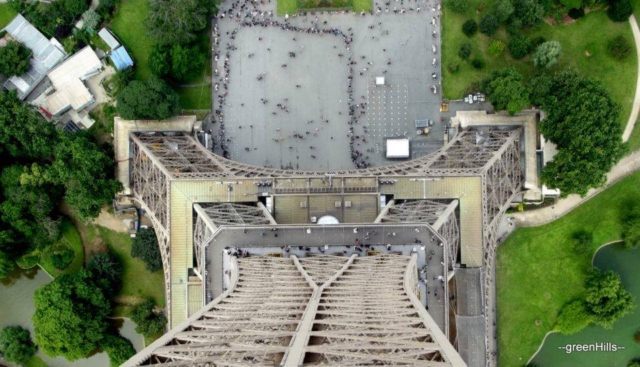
252, 13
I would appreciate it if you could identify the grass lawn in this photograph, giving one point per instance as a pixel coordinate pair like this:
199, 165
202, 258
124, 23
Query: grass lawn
287, 7
362, 5
70, 239
577, 39
195, 98
128, 25
537, 271
137, 282
35, 361
6, 14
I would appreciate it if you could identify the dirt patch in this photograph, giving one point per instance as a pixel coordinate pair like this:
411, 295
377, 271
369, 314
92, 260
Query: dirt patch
108, 220
97, 246
128, 300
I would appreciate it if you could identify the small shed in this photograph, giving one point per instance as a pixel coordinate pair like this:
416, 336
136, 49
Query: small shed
121, 59
109, 38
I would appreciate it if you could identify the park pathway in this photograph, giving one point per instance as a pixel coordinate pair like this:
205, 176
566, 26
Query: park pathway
624, 168
636, 101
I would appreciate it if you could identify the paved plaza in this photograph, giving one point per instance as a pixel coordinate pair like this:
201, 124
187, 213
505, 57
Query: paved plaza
300, 91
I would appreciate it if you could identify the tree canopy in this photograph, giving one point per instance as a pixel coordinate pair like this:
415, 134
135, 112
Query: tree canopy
582, 120
107, 272
547, 54
70, 317
152, 99
177, 62
145, 247
631, 228
172, 22
118, 348
148, 322
606, 298
505, 90
16, 345
14, 59
574, 317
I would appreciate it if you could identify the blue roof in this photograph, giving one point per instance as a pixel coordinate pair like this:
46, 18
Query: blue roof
121, 59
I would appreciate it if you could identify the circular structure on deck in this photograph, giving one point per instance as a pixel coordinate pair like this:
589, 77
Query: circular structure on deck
327, 220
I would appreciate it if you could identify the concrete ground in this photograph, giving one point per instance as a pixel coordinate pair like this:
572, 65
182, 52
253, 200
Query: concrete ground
314, 86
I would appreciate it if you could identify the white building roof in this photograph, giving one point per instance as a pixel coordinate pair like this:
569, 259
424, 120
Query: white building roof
108, 38
397, 148
67, 80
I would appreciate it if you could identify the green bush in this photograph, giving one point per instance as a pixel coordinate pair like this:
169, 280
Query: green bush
62, 258
470, 27
148, 322
458, 6
16, 344
529, 12
465, 51
14, 59
619, 10
573, 317
619, 47
489, 25
496, 48
118, 349
520, 46
582, 242
631, 229
514, 27
145, 247
503, 10
477, 63
547, 54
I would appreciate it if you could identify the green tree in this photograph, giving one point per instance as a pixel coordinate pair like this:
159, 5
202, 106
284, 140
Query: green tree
520, 46
631, 228
76, 7
86, 173
14, 59
173, 22
118, 349
71, 316
582, 242
496, 48
634, 363
16, 345
547, 54
573, 317
186, 62
106, 269
489, 24
619, 47
619, 10
148, 322
470, 27
152, 99
106, 8
571, 4
23, 132
91, 19
62, 258
6, 265
529, 12
145, 247
503, 10
465, 50
606, 298
582, 120
505, 90
159, 61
